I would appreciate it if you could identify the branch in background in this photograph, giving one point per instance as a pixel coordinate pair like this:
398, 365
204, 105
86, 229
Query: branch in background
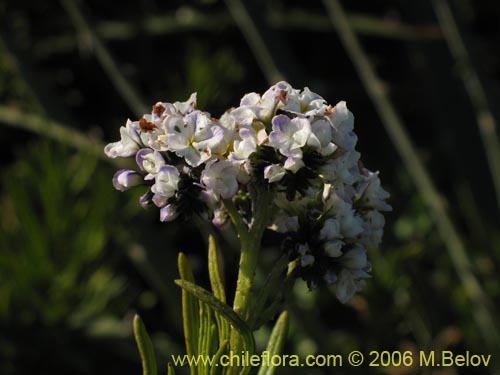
123, 87
361, 23
416, 169
187, 19
468, 74
255, 40
52, 129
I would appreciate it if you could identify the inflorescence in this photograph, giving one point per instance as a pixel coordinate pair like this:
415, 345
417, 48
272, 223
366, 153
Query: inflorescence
287, 141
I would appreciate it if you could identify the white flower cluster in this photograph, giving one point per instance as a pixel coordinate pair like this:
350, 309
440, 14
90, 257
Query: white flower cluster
290, 141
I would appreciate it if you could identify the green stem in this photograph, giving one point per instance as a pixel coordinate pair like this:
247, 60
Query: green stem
250, 248
250, 239
248, 262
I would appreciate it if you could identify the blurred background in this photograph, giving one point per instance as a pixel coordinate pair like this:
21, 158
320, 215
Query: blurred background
78, 259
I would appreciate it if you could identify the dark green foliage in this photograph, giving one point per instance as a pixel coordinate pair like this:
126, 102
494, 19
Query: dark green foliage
56, 278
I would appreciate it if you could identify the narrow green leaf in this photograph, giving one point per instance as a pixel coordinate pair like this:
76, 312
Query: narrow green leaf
218, 370
145, 347
276, 342
272, 288
224, 310
217, 286
190, 314
269, 313
204, 336
213, 339
171, 369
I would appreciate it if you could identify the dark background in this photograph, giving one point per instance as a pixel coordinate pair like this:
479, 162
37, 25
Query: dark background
78, 259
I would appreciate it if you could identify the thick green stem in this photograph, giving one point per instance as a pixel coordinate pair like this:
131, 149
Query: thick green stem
250, 248
250, 239
248, 262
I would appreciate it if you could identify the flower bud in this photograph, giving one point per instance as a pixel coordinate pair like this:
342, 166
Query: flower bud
125, 179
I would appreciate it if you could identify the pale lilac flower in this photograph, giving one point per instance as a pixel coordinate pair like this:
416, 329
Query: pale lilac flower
149, 161
283, 223
342, 169
306, 258
350, 224
129, 143
125, 179
321, 137
349, 283
168, 213
333, 248
146, 200
243, 147
219, 178
343, 121
304, 103
330, 230
374, 228
160, 200
370, 194
289, 136
265, 106
183, 108
151, 132
355, 258
194, 137
166, 181
274, 173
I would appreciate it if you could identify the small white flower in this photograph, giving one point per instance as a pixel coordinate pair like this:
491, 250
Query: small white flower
348, 283
145, 200
343, 121
149, 161
166, 181
370, 194
274, 173
129, 143
168, 213
374, 223
125, 179
159, 200
283, 223
330, 230
265, 107
305, 103
333, 248
244, 147
183, 108
194, 137
289, 136
350, 224
342, 169
306, 260
355, 258
321, 137
219, 178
